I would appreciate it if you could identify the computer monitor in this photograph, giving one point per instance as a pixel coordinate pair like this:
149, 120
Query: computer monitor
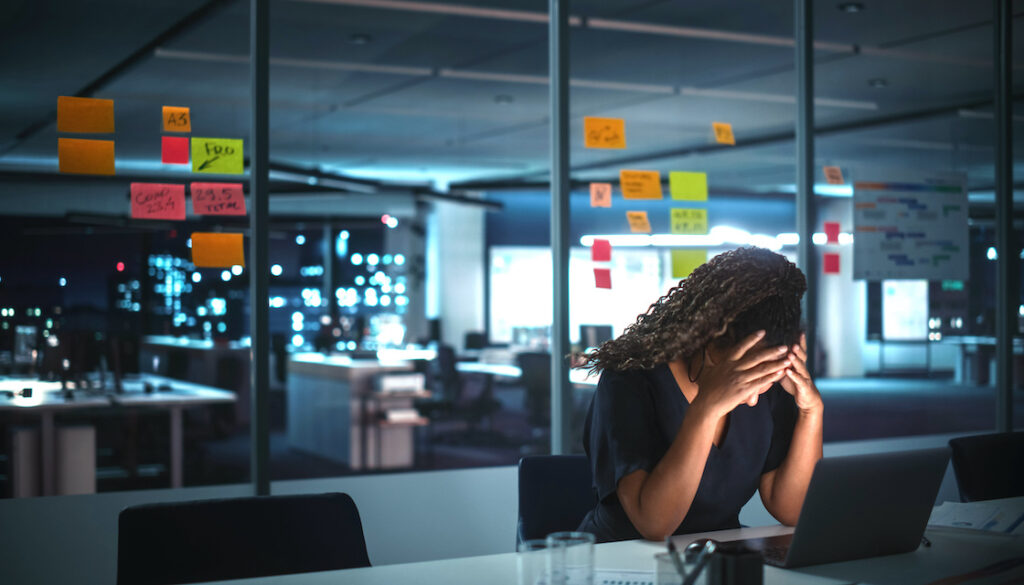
594, 335
26, 340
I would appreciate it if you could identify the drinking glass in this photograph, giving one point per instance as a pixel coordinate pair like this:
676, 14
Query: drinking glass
571, 556
532, 562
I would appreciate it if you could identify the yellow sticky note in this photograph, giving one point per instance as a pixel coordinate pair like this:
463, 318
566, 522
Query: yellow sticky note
213, 250
604, 132
638, 222
723, 133
600, 194
640, 184
691, 221
217, 155
85, 157
833, 175
177, 119
685, 261
85, 115
688, 186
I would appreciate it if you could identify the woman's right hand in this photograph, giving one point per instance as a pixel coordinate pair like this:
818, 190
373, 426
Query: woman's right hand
740, 376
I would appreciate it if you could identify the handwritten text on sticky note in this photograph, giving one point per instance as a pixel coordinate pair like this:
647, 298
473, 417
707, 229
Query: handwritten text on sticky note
217, 155
640, 184
600, 194
723, 133
85, 115
833, 175
692, 221
85, 157
177, 119
217, 198
215, 250
688, 186
158, 201
604, 132
685, 261
638, 222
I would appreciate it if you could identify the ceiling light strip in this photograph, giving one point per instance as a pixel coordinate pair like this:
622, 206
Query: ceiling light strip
445, 9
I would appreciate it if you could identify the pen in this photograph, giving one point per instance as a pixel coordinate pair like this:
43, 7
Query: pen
925, 541
702, 559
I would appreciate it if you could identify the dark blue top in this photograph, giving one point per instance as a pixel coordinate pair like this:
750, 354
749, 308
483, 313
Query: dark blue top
633, 419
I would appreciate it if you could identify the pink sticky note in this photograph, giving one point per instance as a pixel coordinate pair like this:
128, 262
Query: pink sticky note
217, 199
832, 232
601, 251
174, 150
831, 263
158, 201
603, 277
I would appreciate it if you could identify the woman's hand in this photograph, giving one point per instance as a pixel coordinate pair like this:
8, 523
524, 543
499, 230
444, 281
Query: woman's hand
741, 376
798, 380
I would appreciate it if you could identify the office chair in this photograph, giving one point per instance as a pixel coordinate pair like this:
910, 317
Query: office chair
212, 540
555, 493
536, 378
988, 467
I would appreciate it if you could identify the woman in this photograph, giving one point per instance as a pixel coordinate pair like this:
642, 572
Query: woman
702, 401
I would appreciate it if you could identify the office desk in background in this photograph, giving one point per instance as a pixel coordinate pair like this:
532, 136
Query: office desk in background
576, 376
47, 400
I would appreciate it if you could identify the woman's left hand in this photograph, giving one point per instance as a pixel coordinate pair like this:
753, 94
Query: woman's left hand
798, 381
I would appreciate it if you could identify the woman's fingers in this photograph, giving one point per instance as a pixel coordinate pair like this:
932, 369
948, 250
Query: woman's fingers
765, 369
800, 364
798, 379
744, 346
755, 358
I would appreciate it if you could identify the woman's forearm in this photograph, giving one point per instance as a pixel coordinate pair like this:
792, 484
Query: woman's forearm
789, 485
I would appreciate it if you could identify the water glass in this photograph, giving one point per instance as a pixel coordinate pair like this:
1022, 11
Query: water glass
571, 558
532, 562
665, 572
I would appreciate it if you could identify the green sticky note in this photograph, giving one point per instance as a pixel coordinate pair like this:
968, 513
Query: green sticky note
688, 186
218, 155
686, 260
692, 221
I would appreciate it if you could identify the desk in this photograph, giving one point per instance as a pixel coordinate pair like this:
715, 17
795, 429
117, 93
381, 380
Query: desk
576, 376
47, 399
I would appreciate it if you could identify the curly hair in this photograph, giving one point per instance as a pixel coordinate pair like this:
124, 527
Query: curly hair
729, 297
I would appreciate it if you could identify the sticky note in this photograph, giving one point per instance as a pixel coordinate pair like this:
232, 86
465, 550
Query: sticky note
217, 155
640, 184
831, 263
217, 198
692, 221
638, 222
688, 186
723, 133
601, 251
174, 150
833, 175
604, 132
600, 194
158, 201
85, 157
85, 115
212, 250
603, 277
832, 232
177, 119
685, 261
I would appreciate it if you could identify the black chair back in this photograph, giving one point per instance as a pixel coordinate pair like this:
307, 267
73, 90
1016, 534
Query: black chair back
212, 540
988, 467
555, 493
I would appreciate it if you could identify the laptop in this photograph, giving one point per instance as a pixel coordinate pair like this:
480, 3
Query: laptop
858, 507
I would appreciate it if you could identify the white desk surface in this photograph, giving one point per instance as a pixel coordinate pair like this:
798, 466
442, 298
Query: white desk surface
576, 376
47, 395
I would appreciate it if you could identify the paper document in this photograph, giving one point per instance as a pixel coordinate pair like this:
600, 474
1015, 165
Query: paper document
620, 577
1002, 516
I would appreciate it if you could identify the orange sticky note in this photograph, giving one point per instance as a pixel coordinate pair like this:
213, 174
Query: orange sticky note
603, 277
85, 115
604, 132
177, 119
600, 194
158, 201
640, 184
213, 250
638, 223
723, 133
85, 157
833, 175
217, 199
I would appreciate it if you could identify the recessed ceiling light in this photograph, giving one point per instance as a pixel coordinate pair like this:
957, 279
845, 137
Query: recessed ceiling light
851, 7
878, 82
503, 99
360, 39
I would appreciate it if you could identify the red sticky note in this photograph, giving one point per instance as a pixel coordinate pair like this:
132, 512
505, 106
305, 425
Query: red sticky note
601, 251
158, 201
217, 199
174, 150
832, 232
603, 277
831, 263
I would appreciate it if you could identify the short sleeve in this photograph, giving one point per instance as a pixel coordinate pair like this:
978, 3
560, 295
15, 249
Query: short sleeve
784, 413
622, 436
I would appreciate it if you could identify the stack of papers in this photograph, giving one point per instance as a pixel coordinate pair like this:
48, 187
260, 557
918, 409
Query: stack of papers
1000, 516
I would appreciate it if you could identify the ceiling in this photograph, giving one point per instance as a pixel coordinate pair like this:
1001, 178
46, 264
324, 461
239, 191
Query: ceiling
449, 94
